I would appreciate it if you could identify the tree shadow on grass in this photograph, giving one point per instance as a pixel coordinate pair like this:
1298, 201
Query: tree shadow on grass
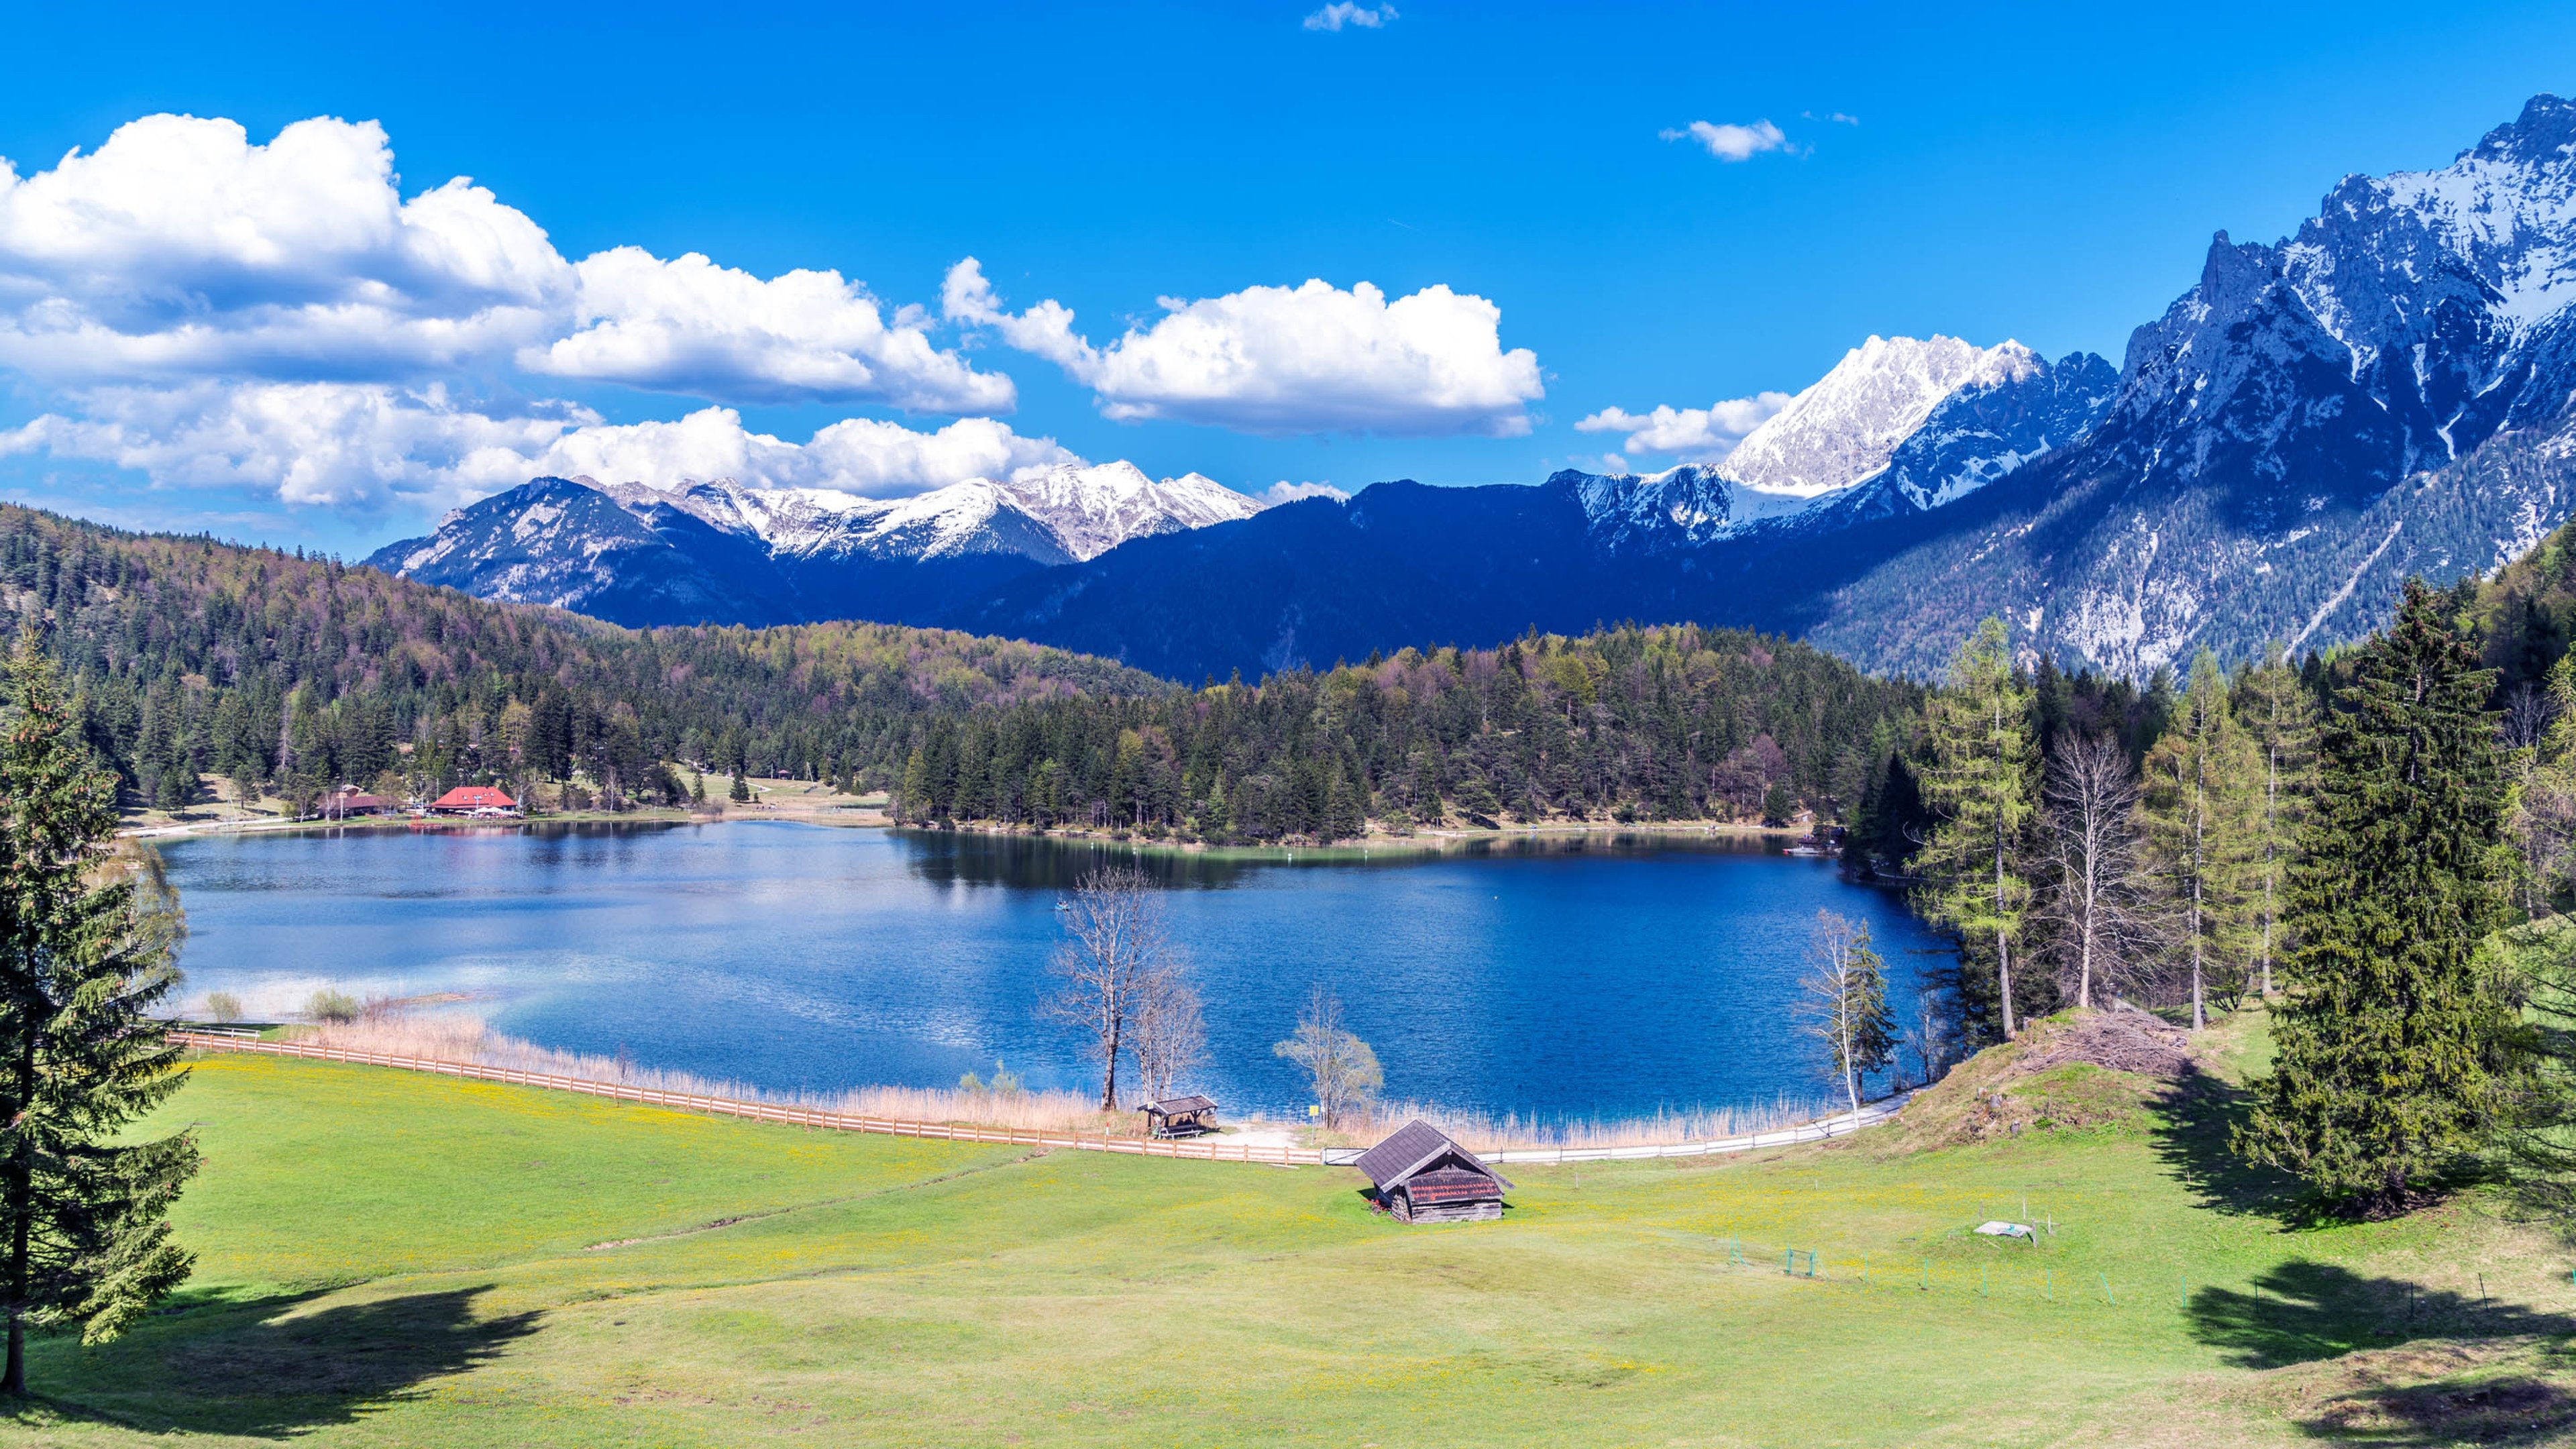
2196, 1117
2515, 1409
267, 1367
2412, 1368
2300, 1312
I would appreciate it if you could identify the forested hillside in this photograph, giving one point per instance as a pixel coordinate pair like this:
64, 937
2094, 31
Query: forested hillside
187, 655
1629, 723
190, 656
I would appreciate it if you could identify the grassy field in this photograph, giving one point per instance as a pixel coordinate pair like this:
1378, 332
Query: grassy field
395, 1259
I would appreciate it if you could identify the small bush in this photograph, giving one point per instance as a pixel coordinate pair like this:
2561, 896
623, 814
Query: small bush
223, 1006
336, 1007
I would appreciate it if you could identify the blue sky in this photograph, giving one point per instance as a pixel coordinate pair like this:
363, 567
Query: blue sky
2051, 174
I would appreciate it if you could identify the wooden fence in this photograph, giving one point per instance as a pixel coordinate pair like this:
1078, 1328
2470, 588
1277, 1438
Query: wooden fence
1195, 1150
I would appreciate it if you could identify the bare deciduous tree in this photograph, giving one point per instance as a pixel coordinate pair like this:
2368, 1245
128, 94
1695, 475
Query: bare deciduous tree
1343, 1068
2528, 711
1117, 952
1845, 1007
1930, 1035
1167, 1039
2096, 902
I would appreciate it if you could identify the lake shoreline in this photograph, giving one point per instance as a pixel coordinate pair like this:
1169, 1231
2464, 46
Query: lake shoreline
835, 958
1376, 845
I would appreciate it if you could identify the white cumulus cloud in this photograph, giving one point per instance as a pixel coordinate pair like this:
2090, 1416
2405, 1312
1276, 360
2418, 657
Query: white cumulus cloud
856, 455
1342, 12
370, 445
690, 326
181, 250
1729, 142
1696, 435
1309, 359
1284, 491
361, 445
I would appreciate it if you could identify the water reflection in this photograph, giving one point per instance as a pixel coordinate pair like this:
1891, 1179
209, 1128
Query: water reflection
1607, 973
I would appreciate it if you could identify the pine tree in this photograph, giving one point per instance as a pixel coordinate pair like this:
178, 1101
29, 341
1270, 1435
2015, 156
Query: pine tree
2383, 1046
1844, 1006
2201, 809
84, 957
1977, 778
2280, 718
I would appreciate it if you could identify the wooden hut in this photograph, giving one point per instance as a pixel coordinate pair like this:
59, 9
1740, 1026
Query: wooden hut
1180, 1117
349, 800
1424, 1177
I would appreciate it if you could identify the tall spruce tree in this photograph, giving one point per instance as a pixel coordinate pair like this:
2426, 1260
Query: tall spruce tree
2280, 718
2200, 808
83, 959
2385, 1041
1979, 777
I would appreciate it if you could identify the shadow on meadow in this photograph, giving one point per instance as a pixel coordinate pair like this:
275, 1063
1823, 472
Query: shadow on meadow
2196, 1115
269, 1367
2307, 1313
2300, 1312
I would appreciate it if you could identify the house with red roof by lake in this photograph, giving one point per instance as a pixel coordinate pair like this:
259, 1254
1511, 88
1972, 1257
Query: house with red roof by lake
474, 800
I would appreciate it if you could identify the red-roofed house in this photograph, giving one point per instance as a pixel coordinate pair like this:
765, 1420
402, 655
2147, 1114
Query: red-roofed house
474, 800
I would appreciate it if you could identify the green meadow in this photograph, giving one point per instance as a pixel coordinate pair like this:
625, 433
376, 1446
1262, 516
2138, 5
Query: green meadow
393, 1259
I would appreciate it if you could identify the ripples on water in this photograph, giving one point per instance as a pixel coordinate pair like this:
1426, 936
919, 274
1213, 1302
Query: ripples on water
1603, 975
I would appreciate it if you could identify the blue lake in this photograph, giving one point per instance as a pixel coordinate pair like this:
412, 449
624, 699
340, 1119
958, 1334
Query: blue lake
1604, 976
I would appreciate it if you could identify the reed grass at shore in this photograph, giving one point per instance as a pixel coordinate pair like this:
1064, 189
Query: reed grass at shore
467, 1040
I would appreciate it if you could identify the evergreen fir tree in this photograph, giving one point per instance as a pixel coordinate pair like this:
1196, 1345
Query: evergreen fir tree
84, 957
2279, 714
1978, 778
2201, 809
1844, 1002
2382, 1074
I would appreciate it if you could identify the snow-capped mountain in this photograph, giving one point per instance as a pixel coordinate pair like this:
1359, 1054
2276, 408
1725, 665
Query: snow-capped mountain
1899, 426
721, 552
1680, 507
1053, 515
1844, 428
2387, 391
2384, 392
2018, 410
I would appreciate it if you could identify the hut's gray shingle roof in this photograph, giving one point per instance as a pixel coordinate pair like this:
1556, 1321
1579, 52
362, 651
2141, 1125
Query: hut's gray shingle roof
1169, 1105
1416, 1145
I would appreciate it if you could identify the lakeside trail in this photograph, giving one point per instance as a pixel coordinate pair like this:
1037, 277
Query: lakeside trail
1267, 1152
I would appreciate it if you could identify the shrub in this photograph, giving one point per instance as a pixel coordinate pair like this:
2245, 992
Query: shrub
337, 1007
223, 1006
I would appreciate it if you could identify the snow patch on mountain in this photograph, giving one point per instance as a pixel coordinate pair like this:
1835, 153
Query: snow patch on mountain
1680, 507
1843, 429
1070, 512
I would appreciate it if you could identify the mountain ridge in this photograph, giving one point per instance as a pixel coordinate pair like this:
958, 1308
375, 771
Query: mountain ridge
2386, 388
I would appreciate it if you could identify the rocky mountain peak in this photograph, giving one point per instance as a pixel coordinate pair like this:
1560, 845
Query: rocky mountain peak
1842, 429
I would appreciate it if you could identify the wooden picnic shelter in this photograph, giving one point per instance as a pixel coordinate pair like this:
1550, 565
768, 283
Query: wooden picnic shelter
1423, 1176
1180, 1117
